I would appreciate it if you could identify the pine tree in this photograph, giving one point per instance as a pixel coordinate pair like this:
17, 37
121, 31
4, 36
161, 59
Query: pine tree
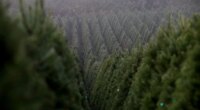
187, 92
21, 87
38, 71
51, 57
164, 77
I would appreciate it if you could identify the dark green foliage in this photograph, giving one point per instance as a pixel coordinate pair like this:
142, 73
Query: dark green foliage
38, 71
162, 76
187, 92
20, 87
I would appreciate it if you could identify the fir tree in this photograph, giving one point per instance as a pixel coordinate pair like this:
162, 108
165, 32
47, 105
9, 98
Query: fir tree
164, 77
21, 87
53, 61
38, 71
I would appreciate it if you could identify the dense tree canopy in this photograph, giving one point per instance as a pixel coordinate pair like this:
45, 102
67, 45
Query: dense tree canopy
162, 75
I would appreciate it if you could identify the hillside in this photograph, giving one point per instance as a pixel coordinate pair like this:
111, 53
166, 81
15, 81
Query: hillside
99, 28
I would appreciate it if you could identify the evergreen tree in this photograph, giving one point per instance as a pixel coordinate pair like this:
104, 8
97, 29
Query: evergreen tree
38, 71
164, 76
53, 61
21, 87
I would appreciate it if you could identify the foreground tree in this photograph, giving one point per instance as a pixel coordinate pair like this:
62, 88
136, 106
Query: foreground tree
38, 71
161, 76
